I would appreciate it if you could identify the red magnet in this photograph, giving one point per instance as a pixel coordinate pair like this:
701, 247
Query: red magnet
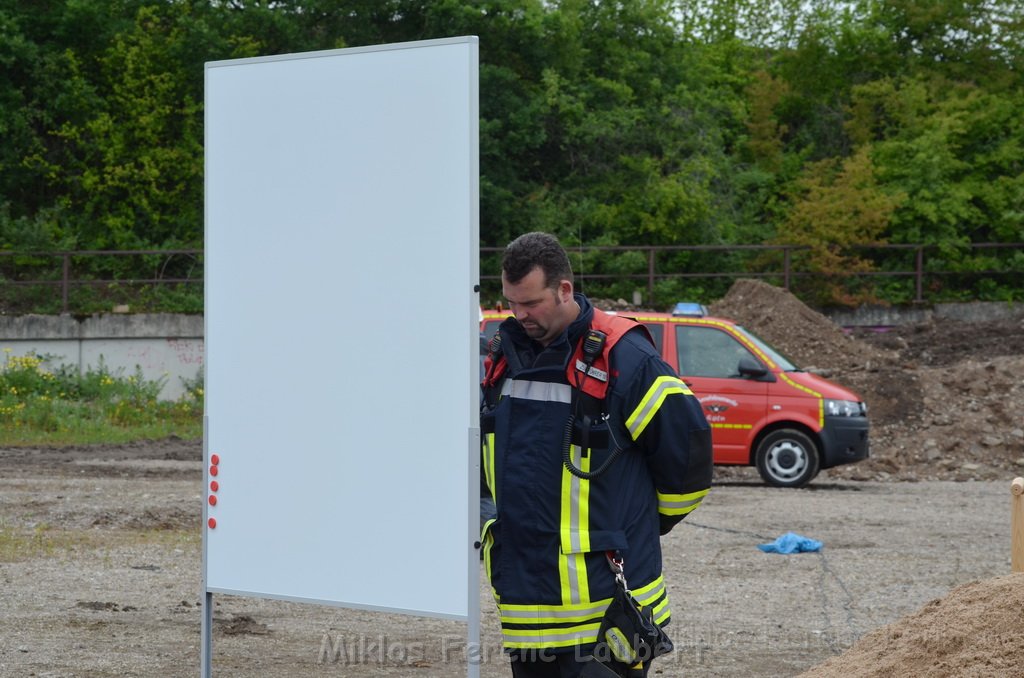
213, 500
212, 522
214, 486
213, 470
214, 459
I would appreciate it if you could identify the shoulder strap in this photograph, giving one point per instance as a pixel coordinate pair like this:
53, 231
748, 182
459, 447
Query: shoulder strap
598, 376
600, 373
495, 366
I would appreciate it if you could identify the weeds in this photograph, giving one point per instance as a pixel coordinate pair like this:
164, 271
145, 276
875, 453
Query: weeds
45, 541
39, 541
42, 403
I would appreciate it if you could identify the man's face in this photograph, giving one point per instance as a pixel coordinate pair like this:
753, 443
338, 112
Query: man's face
543, 312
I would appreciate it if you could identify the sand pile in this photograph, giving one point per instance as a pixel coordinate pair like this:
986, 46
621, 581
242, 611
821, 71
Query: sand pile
977, 630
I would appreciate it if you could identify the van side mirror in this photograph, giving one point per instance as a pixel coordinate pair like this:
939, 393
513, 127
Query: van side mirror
752, 369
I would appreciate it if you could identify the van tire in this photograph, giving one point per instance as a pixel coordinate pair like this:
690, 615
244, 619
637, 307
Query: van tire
787, 458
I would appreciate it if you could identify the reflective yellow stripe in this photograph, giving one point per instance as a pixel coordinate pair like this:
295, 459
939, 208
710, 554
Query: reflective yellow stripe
651, 402
741, 426
488, 540
811, 392
488, 450
661, 613
550, 638
679, 504
553, 614
484, 531
549, 624
731, 330
575, 532
649, 594
540, 626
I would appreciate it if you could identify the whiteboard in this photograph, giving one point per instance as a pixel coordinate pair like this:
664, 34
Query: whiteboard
342, 326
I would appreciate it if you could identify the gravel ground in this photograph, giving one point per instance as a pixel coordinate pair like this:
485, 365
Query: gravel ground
100, 565
100, 548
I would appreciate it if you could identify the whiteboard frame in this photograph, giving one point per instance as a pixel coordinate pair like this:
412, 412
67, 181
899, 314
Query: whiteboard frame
463, 566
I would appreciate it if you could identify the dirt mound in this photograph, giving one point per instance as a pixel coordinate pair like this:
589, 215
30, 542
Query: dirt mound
973, 631
800, 333
617, 305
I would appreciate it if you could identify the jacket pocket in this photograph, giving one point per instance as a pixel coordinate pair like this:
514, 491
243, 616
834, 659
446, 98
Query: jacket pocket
586, 541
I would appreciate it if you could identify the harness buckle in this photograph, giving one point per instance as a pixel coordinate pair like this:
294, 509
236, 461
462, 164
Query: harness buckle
617, 565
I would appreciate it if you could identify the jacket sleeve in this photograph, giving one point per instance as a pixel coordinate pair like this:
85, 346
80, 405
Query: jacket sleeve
665, 421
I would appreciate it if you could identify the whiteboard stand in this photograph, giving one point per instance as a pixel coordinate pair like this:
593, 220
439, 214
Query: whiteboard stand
342, 220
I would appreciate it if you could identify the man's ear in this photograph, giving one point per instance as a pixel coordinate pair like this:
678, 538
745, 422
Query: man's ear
565, 291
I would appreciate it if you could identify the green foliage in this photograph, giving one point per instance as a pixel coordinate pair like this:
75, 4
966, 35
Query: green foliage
834, 210
635, 123
42, 403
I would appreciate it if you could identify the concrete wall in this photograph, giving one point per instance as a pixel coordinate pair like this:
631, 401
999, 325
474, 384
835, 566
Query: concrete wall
164, 346
879, 316
170, 346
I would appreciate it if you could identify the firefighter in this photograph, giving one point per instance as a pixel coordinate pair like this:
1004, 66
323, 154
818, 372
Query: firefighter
592, 446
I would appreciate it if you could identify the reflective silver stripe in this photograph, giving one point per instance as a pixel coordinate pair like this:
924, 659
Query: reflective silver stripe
538, 615
591, 371
575, 544
574, 500
572, 562
648, 597
537, 390
675, 506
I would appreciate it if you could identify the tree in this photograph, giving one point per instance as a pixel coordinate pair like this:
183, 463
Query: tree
836, 207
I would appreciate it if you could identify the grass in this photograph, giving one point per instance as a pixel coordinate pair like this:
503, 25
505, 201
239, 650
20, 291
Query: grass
41, 541
45, 541
45, 404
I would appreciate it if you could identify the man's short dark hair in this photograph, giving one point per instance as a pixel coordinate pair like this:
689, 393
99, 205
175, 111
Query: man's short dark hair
536, 249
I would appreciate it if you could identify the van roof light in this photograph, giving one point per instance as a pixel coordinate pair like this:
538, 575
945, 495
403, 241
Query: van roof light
690, 308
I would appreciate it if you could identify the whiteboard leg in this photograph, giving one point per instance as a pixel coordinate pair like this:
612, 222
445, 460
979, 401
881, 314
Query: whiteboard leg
474, 652
206, 632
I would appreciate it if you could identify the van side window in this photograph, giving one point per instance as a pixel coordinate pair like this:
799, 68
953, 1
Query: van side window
709, 352
491, 328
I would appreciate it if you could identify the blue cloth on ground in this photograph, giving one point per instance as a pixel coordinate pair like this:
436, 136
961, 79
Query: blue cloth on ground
791, 542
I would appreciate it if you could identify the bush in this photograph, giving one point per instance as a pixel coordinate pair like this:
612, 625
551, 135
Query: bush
40, 403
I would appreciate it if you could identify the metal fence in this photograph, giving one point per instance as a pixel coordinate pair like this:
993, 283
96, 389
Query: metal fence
65, 271
784, 264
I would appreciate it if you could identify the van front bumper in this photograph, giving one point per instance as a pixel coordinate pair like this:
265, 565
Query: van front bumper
844, 440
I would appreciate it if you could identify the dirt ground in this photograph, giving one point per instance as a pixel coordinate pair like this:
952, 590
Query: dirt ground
100, 547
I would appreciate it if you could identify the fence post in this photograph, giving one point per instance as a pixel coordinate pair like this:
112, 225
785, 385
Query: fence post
1017, 525
919, 274
785, 268
64, 284
650, 276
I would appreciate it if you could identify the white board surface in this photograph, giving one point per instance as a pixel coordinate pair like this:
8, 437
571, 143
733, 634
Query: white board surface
341, 342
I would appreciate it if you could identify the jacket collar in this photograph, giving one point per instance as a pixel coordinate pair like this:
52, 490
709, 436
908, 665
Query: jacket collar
561, 346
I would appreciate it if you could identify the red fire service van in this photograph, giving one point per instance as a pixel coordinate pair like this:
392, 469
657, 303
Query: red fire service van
763, 410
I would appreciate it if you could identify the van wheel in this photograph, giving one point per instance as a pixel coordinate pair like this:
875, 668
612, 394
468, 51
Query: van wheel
787, 458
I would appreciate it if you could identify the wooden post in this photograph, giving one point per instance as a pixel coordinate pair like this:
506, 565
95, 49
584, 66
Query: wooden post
1017, 526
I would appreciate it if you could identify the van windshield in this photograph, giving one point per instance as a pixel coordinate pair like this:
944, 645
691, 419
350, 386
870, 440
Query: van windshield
784, 364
